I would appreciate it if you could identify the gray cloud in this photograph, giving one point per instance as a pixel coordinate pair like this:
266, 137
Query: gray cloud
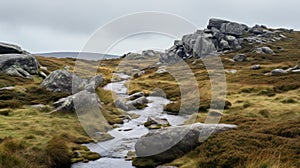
44, 25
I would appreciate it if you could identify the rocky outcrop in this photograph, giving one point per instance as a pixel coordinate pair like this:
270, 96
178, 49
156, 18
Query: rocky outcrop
65, 81
19, 65
17, 62
219, 37
167, 144
6, 48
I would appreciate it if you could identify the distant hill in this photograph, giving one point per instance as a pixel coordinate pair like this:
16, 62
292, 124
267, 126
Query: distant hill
83, 55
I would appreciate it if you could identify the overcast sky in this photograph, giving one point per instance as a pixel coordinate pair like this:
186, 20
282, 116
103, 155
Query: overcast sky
66, 25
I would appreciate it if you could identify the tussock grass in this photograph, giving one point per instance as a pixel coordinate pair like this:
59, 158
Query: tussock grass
265, 108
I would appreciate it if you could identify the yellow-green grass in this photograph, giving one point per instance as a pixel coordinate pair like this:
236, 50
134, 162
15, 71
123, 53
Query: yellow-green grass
34, 130
257, 101
34, 138
261, 105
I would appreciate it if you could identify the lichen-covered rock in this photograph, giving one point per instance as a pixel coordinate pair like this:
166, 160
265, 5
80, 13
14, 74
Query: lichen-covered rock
19, 65
169, 143
219, 37
232, 28
65, 81
78, 101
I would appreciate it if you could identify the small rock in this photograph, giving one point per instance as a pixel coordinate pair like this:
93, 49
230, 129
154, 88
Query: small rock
121, 104
240, 58
67, 67
161, 71
156, 123
139, 102
130, 155
277, 71
138, 74
264, 50
43, 75
231, 71
255, 67
41, 107
44, 68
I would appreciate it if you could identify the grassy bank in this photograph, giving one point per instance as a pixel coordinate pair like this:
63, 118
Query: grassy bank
266, 109
30, 137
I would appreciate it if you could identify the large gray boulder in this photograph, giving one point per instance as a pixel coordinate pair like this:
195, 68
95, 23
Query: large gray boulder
233, 28
216, 23
80, 100
6, 48
169, 143
19, 65
65, 81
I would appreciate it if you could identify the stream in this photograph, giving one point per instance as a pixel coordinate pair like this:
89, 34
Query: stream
113, 151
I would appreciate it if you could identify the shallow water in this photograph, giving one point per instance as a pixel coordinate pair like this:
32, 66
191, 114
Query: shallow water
114, 151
